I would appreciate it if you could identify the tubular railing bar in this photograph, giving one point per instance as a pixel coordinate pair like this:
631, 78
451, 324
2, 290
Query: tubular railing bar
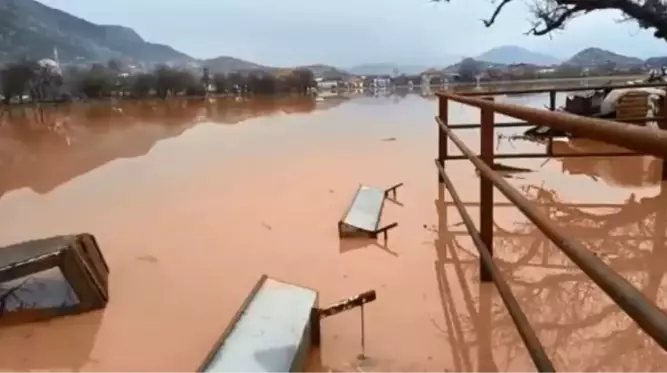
563, 89
589, 237
550, 204
465, 126
645, 313
541, 155
640, 139
535, 348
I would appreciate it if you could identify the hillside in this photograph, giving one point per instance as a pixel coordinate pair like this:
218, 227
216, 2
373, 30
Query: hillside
482, 65
387, 69
226, 65
31, 29
327, 72
510, 54
656, 62
597, 56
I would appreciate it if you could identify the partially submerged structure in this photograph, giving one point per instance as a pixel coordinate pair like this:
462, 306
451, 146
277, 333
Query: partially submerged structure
50, 277
275, 328
363, 215
629, 104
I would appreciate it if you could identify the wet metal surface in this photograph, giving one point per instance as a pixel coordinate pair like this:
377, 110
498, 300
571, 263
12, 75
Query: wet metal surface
365, 209
271, 331
191, 203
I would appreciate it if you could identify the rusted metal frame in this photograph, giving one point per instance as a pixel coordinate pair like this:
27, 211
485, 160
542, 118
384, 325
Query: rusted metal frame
645, 313
586, 237
637, 138
543, 155
663, 126
552, 107
486, 187
532, 343
519, 124
347, 304
38, 264
443, 115
553, 204
563, 89
442, 221
469, 126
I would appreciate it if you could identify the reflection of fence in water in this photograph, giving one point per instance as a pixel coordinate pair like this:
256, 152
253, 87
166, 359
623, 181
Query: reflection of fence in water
578, 325
639, 307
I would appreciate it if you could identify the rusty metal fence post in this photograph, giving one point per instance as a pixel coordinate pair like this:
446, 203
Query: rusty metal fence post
663, 126
486, 186
443, 114
552, 100
552, 107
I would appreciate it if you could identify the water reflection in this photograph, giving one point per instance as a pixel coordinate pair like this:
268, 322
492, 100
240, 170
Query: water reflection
44, 148
579, 326
207, 212
633, 171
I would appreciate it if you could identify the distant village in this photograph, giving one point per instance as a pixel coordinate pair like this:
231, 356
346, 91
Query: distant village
50, 80
466, 71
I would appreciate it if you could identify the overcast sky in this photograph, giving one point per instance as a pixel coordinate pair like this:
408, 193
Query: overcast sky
350, 32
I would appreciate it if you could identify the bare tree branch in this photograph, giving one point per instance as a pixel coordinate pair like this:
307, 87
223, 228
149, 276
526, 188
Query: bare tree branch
550, 15
496, 12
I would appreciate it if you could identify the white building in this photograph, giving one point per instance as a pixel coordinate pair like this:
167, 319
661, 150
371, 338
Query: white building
326, 84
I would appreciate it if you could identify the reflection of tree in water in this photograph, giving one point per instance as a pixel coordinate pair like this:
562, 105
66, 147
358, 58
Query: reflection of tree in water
232, 111
46, 289
580, 327
42, 148
633, 171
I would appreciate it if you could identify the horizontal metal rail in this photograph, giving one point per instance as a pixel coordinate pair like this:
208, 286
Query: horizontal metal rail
526, 124
468, 126
639, 139
584, 237
533, 344
645, 313
546, 155
556, 89
549, 204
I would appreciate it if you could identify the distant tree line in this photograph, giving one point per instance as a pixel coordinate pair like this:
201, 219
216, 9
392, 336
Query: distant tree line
469, 69
44, 83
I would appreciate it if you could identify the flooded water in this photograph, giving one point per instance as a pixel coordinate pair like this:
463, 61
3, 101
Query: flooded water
192, 201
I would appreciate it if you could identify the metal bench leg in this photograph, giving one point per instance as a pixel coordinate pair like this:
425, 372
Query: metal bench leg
363, 336
384, 230
393, 190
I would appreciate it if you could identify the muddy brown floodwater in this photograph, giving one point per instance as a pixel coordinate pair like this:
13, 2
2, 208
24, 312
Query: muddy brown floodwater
192, 201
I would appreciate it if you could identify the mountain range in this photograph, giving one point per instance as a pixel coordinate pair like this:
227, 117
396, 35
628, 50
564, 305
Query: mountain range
510, 54
30, 29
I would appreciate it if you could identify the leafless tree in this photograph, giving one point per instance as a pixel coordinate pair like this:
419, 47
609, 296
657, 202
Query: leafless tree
550, 15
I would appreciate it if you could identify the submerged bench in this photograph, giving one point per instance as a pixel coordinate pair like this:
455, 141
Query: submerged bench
362, 217
274, 329
49, 277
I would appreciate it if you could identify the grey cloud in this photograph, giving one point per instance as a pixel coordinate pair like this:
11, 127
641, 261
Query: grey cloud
348, 32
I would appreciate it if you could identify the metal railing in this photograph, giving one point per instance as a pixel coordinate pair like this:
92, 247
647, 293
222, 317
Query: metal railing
648, 316
552, 107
